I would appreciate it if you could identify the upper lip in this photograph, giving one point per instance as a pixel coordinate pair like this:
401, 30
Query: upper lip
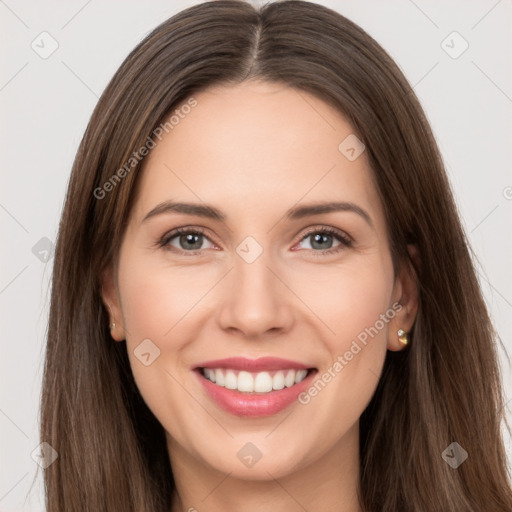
254, 365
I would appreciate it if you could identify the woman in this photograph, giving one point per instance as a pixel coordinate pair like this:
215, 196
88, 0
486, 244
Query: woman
323, 343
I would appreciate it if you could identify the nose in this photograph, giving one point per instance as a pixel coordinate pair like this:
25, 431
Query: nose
255, 300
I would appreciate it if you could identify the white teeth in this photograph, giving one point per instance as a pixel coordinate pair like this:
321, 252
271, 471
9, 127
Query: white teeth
260, 382
278, 380
289, 380
209, 374
219, 377
231, 380
263, 382
245, 382
300, 375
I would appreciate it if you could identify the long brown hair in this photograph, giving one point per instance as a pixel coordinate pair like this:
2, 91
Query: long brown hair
444, 387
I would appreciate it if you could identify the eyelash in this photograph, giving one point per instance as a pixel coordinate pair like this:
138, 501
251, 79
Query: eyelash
344, 240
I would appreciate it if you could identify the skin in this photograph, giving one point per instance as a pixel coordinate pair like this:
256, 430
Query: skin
255, 150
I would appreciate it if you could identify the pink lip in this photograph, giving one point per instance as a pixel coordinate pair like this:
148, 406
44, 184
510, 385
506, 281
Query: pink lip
253, 405
254, 365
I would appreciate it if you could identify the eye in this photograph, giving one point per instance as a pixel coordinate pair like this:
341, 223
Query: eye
190, 240
184, 240
321, 240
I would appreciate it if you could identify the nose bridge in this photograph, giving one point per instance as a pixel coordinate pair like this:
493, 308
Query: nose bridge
256, 300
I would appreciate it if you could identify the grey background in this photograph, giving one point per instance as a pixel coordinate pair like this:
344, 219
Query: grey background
46, 103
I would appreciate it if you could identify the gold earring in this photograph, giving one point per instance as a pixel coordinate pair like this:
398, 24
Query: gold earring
402, 337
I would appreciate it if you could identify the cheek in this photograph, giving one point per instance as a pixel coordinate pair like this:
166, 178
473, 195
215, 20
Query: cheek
150, 304
348, 299
157, 298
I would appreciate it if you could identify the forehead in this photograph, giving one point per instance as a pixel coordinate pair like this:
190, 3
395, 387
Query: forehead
253, 146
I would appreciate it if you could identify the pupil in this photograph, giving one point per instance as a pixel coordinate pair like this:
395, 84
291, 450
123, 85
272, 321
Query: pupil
189, 238
320, 238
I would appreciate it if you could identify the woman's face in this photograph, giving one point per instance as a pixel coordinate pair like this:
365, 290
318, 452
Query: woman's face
266, 277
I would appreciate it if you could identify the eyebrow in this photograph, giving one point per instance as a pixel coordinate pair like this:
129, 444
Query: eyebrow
297, 212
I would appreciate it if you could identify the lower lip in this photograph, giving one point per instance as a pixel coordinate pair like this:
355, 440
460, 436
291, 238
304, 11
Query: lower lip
254, 406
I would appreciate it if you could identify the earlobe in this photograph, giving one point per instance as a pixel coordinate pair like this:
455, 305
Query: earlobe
110, 299
406, 286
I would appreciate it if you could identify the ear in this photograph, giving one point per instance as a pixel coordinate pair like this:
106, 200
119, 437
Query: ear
406, 294
111, 300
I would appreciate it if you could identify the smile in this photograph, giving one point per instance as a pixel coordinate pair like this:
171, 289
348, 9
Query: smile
254, 388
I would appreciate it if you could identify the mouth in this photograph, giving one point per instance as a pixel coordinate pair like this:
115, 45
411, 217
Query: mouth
254, 388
